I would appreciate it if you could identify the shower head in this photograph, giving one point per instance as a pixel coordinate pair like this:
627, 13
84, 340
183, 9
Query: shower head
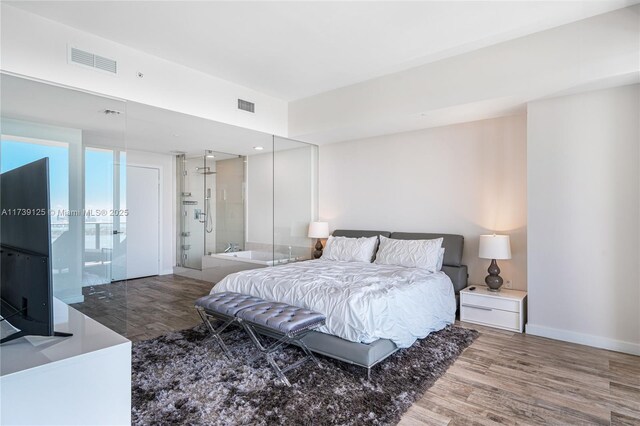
205, 171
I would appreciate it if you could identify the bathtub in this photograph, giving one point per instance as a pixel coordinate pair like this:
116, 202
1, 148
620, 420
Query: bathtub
265, 258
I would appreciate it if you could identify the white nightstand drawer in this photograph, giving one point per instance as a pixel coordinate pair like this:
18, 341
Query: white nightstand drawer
489, 316
490, 302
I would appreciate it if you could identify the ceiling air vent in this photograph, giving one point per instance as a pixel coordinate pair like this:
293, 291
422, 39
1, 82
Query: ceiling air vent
92, 60
246, 105
106, 64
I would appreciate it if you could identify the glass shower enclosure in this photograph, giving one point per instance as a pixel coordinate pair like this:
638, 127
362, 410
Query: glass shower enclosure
246, 211
211, 205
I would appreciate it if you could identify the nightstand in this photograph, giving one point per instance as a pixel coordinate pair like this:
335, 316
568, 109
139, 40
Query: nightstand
504, 309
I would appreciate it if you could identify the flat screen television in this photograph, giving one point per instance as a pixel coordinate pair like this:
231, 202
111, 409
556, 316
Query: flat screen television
26, 292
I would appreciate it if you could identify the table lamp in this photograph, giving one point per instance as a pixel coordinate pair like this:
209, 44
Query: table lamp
494, 247
318, 230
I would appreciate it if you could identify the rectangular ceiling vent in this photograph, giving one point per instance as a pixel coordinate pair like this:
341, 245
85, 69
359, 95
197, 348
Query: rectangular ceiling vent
88, 59
246, 106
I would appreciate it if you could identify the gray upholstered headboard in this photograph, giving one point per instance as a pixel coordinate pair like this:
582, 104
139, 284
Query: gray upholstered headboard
452, 244
349, 233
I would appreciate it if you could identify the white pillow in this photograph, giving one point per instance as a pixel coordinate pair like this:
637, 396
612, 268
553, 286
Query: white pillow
422, 254
440, 259
350, 249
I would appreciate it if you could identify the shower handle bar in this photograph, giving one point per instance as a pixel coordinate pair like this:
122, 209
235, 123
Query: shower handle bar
208, 222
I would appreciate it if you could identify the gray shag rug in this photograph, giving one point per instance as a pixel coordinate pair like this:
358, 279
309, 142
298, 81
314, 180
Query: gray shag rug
183, 378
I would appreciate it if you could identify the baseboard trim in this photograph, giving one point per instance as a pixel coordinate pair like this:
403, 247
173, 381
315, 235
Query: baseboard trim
584, 339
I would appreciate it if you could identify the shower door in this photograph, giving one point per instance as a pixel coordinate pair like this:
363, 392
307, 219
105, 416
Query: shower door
211, 205
196, 199
191, 247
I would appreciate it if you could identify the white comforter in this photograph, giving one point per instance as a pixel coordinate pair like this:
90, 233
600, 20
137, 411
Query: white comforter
363, 302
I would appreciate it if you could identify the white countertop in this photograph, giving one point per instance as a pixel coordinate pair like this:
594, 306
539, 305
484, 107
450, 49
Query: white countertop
37, 351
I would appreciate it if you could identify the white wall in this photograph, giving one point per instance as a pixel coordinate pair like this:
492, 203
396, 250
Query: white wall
167, 166
466, 179
37, 47
584, 218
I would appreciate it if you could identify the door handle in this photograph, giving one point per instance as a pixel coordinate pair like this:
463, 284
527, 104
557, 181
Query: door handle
116, 232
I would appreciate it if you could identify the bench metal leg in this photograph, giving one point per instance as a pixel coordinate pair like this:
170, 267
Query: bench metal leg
216, 332
308, 352
268, 351
275, 368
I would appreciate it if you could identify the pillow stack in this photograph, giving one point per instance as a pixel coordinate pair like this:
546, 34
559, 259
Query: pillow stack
421, 254
350, 249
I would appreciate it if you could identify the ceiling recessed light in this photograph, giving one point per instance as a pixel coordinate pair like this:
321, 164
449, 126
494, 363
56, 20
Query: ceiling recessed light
258, 148
211, 156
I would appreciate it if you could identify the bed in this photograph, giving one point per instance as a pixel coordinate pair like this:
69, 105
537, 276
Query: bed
372, 310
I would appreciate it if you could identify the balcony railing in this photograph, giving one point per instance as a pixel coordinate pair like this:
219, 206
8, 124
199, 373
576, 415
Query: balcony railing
97, 235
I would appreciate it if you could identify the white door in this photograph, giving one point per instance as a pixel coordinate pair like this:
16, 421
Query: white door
143, 222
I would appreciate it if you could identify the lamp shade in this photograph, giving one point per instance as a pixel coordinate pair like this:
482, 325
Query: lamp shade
318, 230
495, 247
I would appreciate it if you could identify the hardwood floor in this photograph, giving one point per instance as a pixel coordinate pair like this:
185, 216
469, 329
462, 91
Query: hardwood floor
503, 377
513, 378
145, 308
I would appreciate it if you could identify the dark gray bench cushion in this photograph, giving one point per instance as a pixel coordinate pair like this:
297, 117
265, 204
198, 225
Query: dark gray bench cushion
227, 303
281, 317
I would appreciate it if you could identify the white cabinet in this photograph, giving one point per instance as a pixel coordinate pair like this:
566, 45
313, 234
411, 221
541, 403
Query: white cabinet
504, 309
80, 380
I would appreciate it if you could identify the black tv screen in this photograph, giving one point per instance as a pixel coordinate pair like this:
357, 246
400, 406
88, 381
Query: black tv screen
25, 245
24, 202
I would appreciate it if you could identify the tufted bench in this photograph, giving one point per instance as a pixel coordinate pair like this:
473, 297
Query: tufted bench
281, 317
223, 306
290, 323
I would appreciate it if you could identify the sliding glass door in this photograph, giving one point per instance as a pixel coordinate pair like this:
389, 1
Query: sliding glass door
105, 216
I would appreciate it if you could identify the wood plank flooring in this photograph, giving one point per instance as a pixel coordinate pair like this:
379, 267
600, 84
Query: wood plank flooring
145, 308
502, 378
513, 378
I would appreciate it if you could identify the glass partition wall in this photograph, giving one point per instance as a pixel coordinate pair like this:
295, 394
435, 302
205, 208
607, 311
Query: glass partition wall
105, 246
294, 198
245, 211
82, 134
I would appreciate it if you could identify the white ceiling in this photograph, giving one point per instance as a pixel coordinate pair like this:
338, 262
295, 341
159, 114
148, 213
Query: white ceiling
139, 127
293, 50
